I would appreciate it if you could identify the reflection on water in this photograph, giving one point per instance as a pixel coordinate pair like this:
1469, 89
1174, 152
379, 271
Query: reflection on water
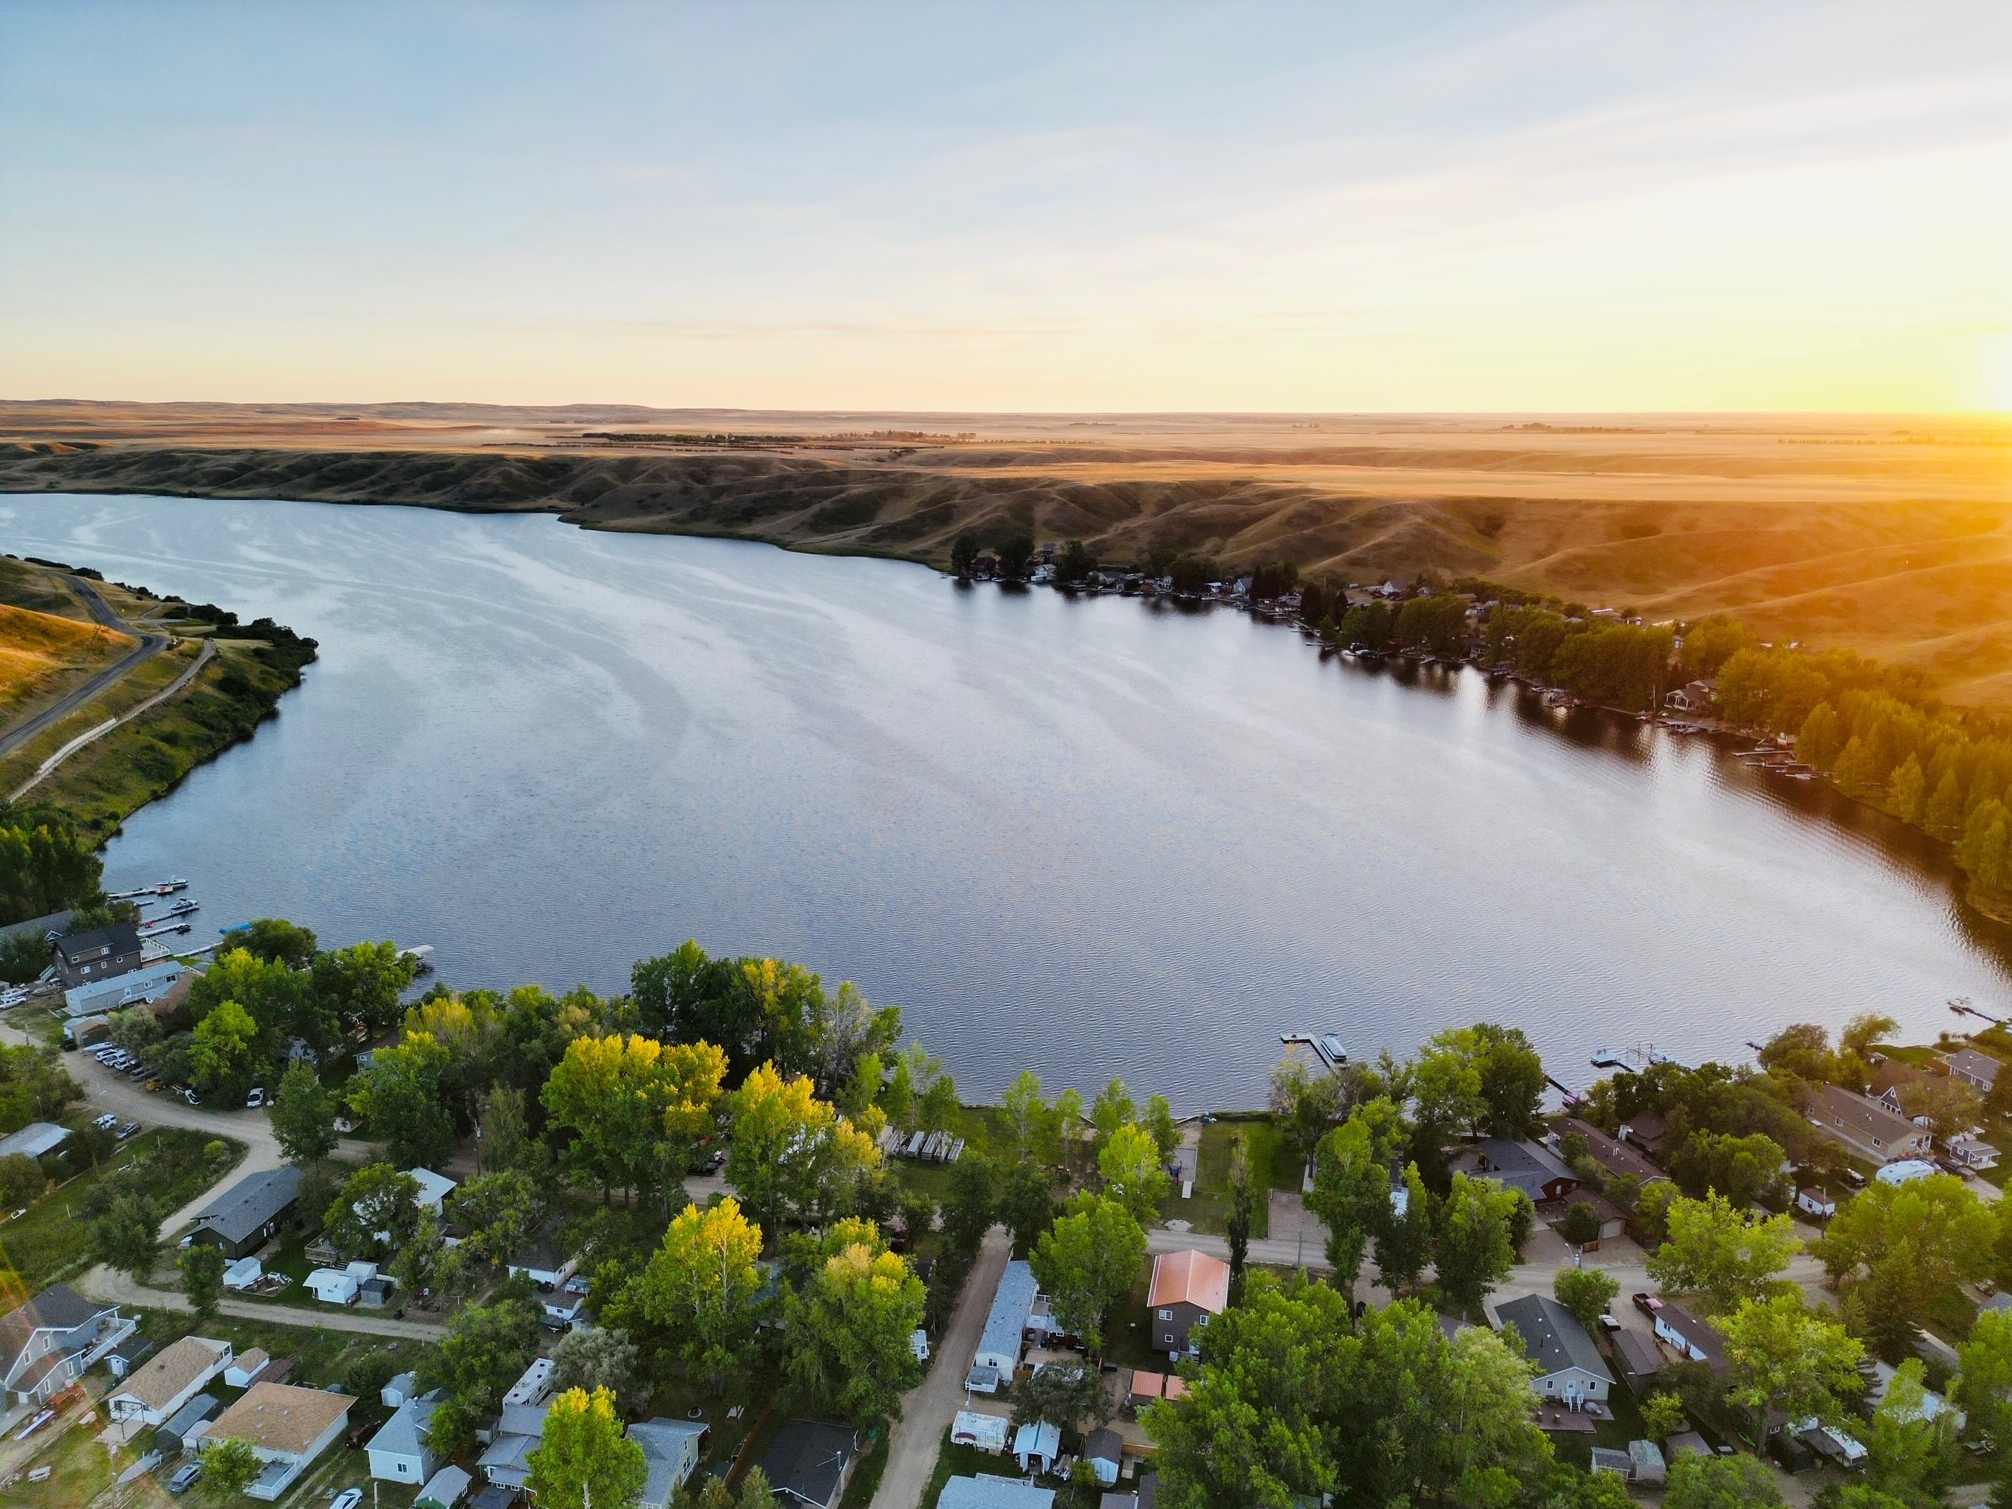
1082, 835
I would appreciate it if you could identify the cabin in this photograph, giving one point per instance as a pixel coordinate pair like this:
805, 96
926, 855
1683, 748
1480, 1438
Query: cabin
1967, 1150
1536, 1170
103, 953
1694, 699
244, 1217
286, 1427
1816, 1203
1977, 1070
1187, 1288
1865, 1128
1570, 1370
1615, 1158
398, 1452
809, 1463
1649, 1132
168, 1380
544, 1259
1691, 1338
46, 1344
333, 1286
998, 1355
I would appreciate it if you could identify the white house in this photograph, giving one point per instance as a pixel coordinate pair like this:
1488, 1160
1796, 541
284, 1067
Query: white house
433, 1188
168, 1380
1570, 1368
398, 1452
1815, 1202
244, 1372
998, 1352
670, 1454
286, 1428
1037, 1446
333, 1286
1691, 1337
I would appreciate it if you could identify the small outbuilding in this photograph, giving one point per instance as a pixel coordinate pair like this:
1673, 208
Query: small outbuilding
333, 1286
444, 1490
1646, 1460
1037, 1445
1104, 1450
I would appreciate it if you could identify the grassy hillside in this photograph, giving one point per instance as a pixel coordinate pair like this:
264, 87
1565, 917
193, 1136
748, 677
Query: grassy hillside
42, 655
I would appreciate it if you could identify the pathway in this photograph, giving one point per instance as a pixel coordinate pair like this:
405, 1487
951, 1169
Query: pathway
150, 645
114, 1287
928, 1410
91, 736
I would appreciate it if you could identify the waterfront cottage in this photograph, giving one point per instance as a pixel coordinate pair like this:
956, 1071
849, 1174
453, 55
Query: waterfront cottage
1977, 1070
1649, 1132
998, 1354
1536, 1170
1570, 1370
1865, 1128
100, 954
46, 1344
1614, 1157
1187, 1288
1891, 1079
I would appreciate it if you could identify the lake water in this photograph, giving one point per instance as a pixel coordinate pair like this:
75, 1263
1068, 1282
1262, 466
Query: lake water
1087, 837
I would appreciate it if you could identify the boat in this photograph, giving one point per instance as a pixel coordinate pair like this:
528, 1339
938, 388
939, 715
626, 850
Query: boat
1606, 1060
183, 907
169, 887
1331, 1045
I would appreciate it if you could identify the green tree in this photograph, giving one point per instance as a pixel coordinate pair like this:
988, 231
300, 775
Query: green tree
303, 1116
585, 1459
1736, 1482
1013, 553
963, 553
127, 1236
202, 1278
274, 997
486, 1348
375, 1211
1351, 1195
500, 1212
1027, 1114
636, 1107
1907, 791
415, 1265
1663, 1415
1238, 1227
1911, 1452
969, 1204
364, 981
1716, 1252
1586, 1292
274, 940
1304, 1103
847, 1336
400, 1095
21, 1180
1130, 1168
1086, 1262
1112, 1109
229, 1467
1071, 1395
1901, 1249
792, 1154
1580, 1224
1475, 1252
597, 1359
1788, 1359
224, 1054
1027, 1204
702, 1287
1404, 1242
1984, 1377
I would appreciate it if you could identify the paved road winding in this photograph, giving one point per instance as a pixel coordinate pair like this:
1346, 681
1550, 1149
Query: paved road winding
152, 642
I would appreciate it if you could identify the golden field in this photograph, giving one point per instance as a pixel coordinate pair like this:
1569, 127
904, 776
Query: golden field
1891, 535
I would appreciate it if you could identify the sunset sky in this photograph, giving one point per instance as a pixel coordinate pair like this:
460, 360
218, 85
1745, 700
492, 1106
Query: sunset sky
1155, 207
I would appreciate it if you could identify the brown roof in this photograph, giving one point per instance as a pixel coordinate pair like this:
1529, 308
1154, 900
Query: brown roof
1612, 1154
1190, 1278
1895, 1072
1839, 1110
280, 1417
252, 1361
156, 1384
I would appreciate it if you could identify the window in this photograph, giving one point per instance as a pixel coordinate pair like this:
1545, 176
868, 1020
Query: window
1166, 1315
1201, 1320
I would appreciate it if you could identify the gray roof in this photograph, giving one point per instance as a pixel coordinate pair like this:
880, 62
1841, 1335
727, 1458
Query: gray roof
251, 1202
1638, 1355
444, 1487
663, 1443
1106, 1445
1698, 1333
1011, 1306
1551, 1337
56, 1308
1520, 1165
404, 1434
987, 1491
1978, 1065
807, 1459
202, 1407
119, 938
1997, 1304
34, 1140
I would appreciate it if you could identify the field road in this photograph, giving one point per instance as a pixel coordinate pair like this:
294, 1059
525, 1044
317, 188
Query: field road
152, 642
204, 656
113, 1287
928, 1409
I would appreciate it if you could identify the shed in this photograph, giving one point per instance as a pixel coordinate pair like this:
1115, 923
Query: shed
1639, 1359
400, 1387
1815, 1202
332, 1286
173, 1437
444, 1489
1686, 1441
244, 1273
1613, 1459
1647, 1460
1037, 1445
985, 1432
1104, 1450
245, 1369
38, 1139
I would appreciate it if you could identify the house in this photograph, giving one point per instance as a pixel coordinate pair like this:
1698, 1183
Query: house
168, 1381
987, 1491
1691, 1337
1036, 1446
1615, 1157
1977, 1070
1649, 1132
185, 1429
1891, 1078
519, 1429
286, 1427
443, 1490
150, 986
671, 1451
1187, 1288
398, 1452
1639, 1359
1536, 1170
100, 954
562, 1308
998, 1352
1815, 1202
1104, 1450
1570, 1368
433, 1188
1864, 1127
46, 1344
332, 1286
985, 1432
245, 1216
38, 1139
1693, 697
244, 1372
809, 1462
1967, 1150
543, 1260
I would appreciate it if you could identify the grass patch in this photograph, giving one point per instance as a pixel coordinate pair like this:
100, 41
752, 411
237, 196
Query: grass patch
82, 1469
169, 1163
866, 1473
675, 1399
320, 1357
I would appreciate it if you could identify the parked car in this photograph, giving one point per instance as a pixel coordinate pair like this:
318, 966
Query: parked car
185, 1477
256, 1099
106, 1122
192, 1098
1854, 1178
1609, 1321
130, 1129
1648, 1304
349, 1498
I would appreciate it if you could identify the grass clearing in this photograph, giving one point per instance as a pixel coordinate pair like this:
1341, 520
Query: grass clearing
82, 1470
48, 1243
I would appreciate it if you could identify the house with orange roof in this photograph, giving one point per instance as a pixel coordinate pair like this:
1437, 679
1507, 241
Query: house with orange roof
1188, 1287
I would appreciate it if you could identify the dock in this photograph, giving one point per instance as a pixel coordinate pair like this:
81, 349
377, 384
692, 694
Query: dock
1326, 1047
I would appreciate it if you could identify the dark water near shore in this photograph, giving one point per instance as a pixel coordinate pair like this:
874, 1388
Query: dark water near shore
1083, 836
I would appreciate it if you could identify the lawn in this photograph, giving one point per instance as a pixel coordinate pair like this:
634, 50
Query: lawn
1127, 1336
675, 1399
48, 1244
1272, 1166
82, 1471
319, 1357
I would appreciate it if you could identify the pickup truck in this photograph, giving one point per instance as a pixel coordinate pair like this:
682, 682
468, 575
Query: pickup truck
1648, 1304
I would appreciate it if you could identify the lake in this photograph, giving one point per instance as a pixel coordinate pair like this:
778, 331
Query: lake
1083, 836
